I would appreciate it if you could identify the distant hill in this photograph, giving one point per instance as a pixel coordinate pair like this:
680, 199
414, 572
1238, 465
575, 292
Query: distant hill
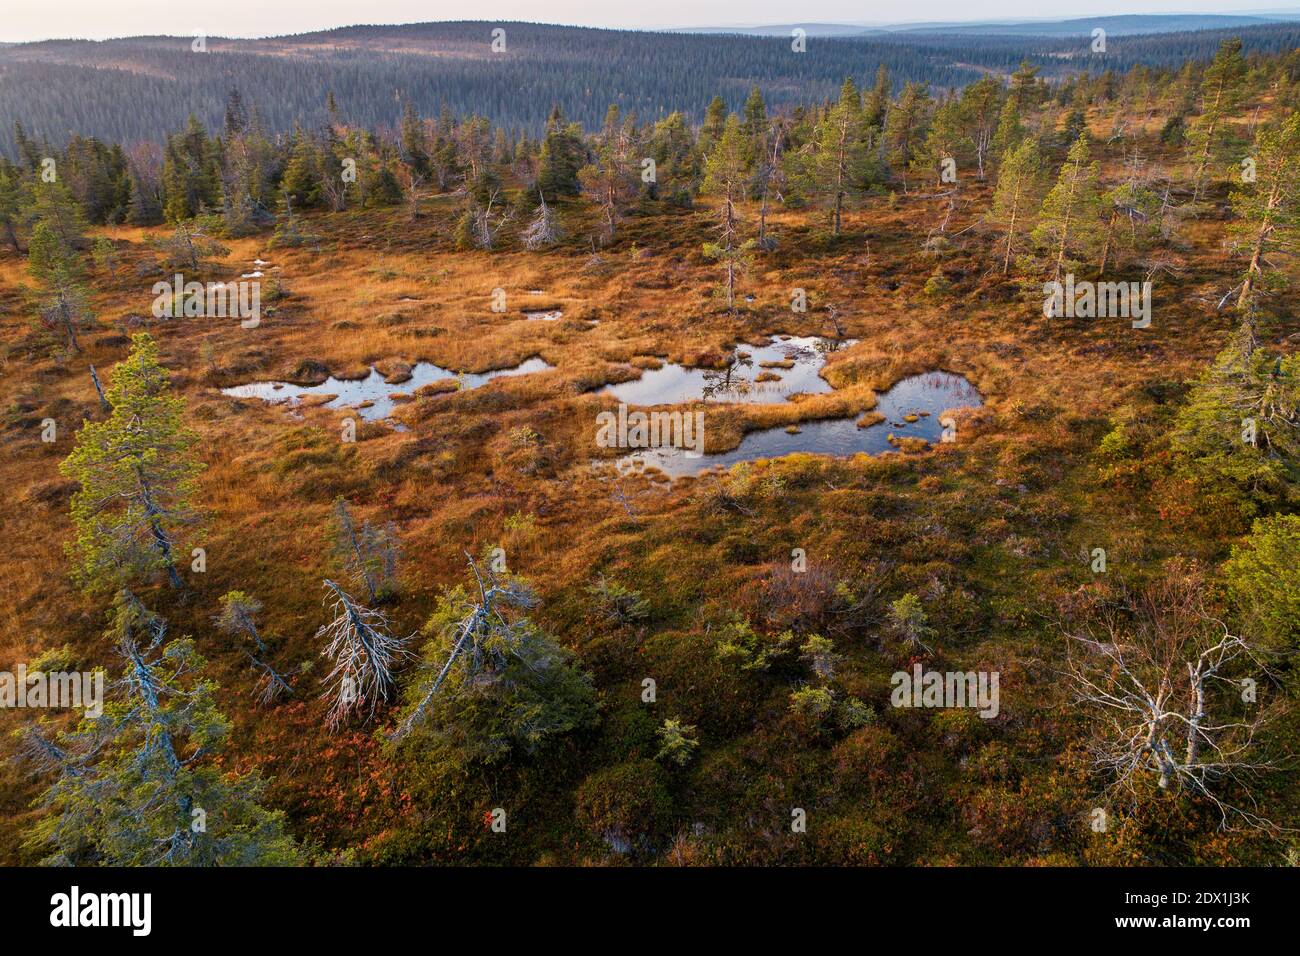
1122, 25
142, 88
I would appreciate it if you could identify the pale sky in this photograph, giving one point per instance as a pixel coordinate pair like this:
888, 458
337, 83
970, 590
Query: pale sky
100, 19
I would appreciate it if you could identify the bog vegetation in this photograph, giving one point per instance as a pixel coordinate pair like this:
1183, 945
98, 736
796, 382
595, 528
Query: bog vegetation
459, 635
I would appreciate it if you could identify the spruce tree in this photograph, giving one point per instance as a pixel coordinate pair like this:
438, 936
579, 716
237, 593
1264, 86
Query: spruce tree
63, 302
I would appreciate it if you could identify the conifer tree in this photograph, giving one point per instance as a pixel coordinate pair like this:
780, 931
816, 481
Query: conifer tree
63, 302
905, 128
725, 177
980, 110
611, 180
946, 139
136, 471
1221, 90
1069, 220
562, 155
875, 105
1237, 437
493, 683
838, 167
1009, 131
1269, 207
1016, 197
141, 785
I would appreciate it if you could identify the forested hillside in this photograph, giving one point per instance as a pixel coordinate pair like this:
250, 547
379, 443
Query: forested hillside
134, 90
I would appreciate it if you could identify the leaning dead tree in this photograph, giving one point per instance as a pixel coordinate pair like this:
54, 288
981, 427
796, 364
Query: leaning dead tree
482, 639
1172, 693
238, 618
369, 553
364, 653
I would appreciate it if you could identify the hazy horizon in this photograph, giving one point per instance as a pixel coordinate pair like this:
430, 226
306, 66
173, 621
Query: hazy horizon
29, 21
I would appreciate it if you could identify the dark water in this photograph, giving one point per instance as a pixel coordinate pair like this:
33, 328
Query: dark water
374, 389
674, 384
932, 392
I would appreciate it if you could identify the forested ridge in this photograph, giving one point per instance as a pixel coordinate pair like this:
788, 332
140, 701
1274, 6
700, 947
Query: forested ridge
139, 89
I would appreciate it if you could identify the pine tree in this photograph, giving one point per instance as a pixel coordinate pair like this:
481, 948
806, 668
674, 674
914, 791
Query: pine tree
1069, 220
980, 111
1016, 197
1009, 132
1025, 90
725, 177
840, 159
136, 473
143, 784
946, 140
1269, 207
905, 128
63, 302
1221, 90
1237, 437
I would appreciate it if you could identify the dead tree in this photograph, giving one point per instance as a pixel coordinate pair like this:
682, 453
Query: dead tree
364, 653
271, 684
543, 229
369, 554
1165, 683
238, 617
